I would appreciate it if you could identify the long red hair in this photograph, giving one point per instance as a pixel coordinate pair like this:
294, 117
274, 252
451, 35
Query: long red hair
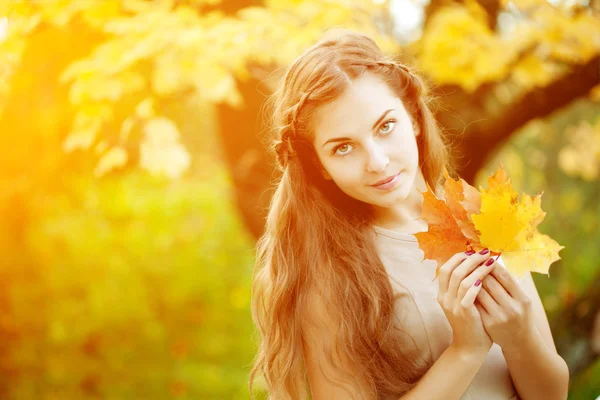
320, 240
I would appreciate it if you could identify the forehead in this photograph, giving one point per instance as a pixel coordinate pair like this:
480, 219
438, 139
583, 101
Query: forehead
356, 109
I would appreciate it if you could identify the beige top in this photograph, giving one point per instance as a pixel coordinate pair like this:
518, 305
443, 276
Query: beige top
419, 312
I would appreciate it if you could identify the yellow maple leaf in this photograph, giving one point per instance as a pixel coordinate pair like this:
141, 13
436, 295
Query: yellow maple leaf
509, 226
537, 253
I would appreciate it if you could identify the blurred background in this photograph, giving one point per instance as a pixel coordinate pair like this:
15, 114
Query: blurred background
134, 178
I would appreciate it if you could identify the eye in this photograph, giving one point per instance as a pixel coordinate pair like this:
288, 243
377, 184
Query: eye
387, 123
390, 124
341, 146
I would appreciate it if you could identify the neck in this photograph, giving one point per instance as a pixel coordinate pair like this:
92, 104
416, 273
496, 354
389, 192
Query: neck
406, 213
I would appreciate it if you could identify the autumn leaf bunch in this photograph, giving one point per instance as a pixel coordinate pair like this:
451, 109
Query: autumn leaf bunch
471, 219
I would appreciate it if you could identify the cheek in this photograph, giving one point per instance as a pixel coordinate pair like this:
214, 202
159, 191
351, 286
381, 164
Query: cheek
344, 175
406, 150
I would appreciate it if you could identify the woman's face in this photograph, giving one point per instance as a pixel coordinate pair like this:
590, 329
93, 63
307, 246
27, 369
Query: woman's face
366, 136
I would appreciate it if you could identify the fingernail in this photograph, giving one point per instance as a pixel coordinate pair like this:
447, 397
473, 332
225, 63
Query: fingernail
484, 251
489, 262
470, 252
478, 282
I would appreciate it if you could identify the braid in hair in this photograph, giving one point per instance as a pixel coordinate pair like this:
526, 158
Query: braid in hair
284, 148
414, 79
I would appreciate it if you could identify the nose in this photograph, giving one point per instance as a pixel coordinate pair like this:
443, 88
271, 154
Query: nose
377, 158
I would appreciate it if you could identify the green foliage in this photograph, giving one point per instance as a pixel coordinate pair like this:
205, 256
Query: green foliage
587, 386
135, 288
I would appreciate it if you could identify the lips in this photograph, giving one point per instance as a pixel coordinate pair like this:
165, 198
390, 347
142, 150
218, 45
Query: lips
383, 181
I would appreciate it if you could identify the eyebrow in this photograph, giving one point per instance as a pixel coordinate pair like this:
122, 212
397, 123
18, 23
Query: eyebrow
343, 139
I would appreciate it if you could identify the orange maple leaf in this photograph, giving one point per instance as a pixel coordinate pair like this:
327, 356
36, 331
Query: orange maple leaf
449, 229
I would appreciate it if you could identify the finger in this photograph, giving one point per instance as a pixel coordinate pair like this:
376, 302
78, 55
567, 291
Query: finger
482, 311
497, 291
447, 269
480, 272
487, 301
471, 294
465, 269
508, 281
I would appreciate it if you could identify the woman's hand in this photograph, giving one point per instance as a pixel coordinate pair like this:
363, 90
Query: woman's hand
459, 283
505, 308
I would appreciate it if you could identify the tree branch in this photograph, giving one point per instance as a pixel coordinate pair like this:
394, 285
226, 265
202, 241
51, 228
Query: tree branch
486, 132
491, 7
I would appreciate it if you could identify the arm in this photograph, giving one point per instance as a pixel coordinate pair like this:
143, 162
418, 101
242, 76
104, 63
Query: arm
514, 317
448, 378
537, 370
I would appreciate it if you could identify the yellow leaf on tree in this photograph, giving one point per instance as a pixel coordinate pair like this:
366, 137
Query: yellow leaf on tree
86, 125
114, 158
161, 153
145, 109
449, 53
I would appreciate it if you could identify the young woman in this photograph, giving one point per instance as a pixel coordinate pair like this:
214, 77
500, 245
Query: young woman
345, 304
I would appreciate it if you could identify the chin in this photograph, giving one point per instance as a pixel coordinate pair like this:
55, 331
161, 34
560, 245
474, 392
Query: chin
385, 201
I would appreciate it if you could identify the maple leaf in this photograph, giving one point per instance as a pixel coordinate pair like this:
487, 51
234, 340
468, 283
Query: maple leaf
509, 226
463, 200
444, 236
449, 229
469, 219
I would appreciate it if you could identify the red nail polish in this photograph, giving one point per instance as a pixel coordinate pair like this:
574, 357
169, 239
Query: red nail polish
470, 252
484, 251
478, 282
489, 262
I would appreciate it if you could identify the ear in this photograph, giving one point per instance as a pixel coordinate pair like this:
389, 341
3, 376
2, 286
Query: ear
416, 130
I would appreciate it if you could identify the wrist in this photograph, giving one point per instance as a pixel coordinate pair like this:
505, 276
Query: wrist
519, 344
470, 354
